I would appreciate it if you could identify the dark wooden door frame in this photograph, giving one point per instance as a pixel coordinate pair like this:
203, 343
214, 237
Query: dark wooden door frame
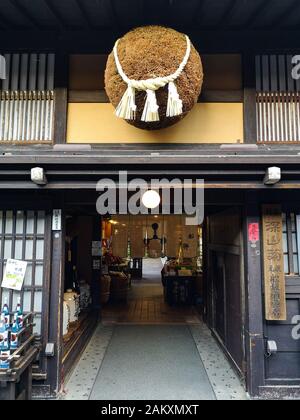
55, 376
254, 327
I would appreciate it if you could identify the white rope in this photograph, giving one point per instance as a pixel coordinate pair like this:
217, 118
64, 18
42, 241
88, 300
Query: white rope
127, 107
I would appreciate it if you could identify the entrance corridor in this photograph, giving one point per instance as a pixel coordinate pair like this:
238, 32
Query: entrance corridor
149, 362
147, 350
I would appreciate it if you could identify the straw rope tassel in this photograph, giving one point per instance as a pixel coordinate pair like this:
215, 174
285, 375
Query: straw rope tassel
127, 107
150, 113
175, 104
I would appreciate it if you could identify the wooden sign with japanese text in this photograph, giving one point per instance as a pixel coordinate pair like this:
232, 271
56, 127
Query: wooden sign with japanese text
274, 277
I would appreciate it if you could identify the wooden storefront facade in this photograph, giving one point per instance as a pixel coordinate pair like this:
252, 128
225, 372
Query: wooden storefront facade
54, 114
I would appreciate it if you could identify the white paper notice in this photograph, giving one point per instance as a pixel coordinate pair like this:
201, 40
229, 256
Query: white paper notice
14, 274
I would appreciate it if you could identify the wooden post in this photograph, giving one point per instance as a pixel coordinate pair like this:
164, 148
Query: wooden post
55, 374
61, 97
254, 330
250, 123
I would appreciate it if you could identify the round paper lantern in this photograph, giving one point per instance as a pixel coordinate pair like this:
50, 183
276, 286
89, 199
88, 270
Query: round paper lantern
153, 77
151, 199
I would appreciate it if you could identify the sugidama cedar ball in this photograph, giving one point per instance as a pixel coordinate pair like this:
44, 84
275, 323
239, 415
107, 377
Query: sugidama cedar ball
150, 52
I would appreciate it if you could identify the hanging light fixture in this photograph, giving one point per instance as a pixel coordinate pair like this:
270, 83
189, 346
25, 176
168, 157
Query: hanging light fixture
151, 199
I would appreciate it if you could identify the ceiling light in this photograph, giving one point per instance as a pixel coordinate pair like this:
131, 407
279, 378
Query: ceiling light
151, 199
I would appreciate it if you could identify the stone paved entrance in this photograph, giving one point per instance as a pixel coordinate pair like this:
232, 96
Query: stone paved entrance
126, 362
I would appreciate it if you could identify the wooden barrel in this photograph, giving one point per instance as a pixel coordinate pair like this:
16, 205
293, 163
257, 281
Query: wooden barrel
119, 287
105, 289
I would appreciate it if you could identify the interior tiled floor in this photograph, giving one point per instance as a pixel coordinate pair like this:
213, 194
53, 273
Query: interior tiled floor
146, 304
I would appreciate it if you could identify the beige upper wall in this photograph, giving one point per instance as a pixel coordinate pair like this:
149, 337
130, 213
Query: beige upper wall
207, 123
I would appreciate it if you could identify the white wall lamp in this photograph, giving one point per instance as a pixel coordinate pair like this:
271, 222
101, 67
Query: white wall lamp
273, 176
38, 176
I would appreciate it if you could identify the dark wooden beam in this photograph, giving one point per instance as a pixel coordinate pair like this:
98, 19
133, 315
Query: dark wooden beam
227, 15
254, 330
59, 21
112, 13
97, 96
283, 16
102, 41
84, 16
61, 97
262, 8
250, 120
5, 23
144, 157
198, 15
23, 11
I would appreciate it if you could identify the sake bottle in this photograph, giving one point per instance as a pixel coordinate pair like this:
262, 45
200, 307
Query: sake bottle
5, 314
3, 333
14, 337
19, 314
5, 354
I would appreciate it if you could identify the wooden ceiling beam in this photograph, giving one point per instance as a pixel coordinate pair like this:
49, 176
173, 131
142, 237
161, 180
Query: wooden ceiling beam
262, 7
84, 16
111, 10
227, 15
58, 19
279, 20
198, 16
24, 12
5, 23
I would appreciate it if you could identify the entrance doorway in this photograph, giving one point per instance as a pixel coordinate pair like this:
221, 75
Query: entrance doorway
158, 260
164, 284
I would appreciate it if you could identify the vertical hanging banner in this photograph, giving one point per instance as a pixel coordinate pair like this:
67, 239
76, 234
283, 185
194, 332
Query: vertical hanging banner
274, 277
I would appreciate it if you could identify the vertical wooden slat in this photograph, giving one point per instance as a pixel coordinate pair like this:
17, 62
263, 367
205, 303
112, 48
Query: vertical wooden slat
258, 72
42, 72
265, 73
14, 103
282, 73
274, 73
15, 72
33, 72
24, 72
50, 72
6, 82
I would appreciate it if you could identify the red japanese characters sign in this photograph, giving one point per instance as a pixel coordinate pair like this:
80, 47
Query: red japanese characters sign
253, 232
